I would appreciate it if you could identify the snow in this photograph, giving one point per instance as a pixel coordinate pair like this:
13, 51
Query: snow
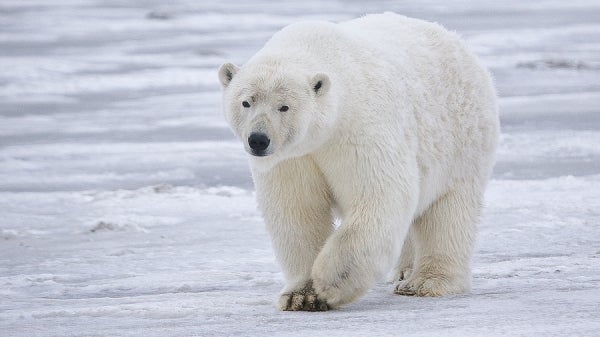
127, 208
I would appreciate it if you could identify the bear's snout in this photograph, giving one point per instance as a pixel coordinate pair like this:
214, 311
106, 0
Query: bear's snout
258, 142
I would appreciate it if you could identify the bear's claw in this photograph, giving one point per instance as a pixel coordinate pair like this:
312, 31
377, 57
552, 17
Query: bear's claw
305, 299
431, 286
403, 290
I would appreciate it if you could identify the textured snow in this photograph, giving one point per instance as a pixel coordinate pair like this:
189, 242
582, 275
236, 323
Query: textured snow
127, 208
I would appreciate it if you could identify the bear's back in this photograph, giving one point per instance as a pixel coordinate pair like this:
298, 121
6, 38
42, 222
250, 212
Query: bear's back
389, 37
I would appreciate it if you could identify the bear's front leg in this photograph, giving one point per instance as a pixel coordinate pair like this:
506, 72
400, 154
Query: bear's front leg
355, 256
296, 204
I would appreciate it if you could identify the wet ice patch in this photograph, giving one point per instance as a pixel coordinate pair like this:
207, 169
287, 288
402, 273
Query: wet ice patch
9, 234
160, 15
558, 64
106, 226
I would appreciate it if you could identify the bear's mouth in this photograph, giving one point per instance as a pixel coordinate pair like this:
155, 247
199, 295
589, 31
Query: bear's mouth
259, 153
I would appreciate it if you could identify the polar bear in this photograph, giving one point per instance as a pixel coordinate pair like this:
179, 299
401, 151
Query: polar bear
387, 124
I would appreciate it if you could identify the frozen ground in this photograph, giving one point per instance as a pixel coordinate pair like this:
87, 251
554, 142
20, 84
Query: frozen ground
126, 206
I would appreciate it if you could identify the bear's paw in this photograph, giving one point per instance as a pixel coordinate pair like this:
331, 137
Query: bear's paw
304, 299
431, 286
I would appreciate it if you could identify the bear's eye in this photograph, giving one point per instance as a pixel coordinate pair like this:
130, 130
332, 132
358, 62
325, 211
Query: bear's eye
284, 108
245, 104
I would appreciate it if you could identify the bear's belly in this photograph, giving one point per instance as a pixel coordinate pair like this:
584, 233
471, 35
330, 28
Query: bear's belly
432, 185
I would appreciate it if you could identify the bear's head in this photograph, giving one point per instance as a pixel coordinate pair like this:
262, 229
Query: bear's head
277, 113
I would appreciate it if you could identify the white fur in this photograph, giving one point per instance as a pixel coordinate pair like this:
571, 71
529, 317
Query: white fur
401, 133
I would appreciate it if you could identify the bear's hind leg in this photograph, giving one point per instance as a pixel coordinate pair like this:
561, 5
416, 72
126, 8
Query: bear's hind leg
445, 235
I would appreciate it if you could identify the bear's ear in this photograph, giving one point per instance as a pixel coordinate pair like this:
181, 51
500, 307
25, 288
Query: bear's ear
320, 84
226, 73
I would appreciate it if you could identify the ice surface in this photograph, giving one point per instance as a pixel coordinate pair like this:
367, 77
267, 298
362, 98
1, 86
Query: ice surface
127, 209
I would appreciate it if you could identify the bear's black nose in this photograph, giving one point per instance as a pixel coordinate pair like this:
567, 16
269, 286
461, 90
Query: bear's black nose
258, 141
